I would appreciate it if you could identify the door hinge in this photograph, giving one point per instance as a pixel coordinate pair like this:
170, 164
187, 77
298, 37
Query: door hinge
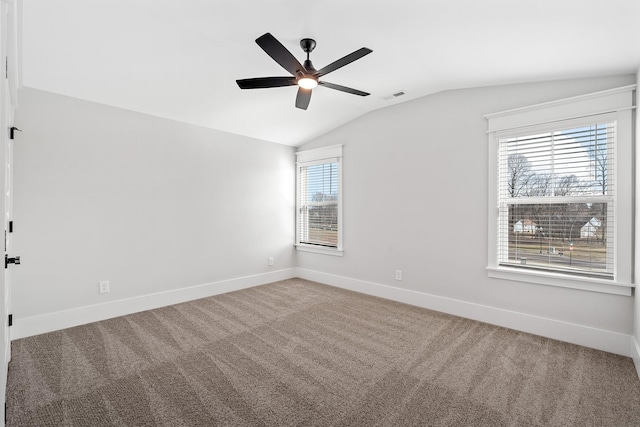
12, 130
11, 320
10, 226
13, 260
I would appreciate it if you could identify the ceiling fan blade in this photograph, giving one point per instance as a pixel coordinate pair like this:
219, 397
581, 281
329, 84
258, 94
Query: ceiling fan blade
344, 61
279, 53
303, 98
266, 82
343, 89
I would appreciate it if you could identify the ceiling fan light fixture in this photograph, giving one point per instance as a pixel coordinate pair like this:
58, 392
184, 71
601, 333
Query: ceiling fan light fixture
304, 76
307, 82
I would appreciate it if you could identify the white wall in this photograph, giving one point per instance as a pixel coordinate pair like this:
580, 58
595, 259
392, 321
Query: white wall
149, 204
415, 199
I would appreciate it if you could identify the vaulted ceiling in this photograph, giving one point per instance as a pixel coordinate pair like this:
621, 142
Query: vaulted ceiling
180, 59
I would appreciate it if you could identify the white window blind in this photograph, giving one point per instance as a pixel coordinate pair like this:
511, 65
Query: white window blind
556, 198
319, 199
319, 204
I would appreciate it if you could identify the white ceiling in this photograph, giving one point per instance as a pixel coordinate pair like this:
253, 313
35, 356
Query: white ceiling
180, 59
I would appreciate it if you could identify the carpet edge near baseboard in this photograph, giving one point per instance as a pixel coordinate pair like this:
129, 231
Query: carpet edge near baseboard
48, 322
635, 354
613, 342
587, 336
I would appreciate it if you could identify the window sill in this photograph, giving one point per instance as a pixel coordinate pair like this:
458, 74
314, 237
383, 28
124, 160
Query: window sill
561, 280
319, 250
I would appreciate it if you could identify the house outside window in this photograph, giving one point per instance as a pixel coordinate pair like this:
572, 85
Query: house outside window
560, 209
319, 200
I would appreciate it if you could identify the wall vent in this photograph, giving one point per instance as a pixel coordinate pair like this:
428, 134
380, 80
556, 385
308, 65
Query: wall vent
393, 95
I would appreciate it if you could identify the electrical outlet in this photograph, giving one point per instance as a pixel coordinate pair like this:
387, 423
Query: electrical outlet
398, 274
270, 260
104, 286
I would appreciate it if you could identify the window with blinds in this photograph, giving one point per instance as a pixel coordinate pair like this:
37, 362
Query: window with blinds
556, 198
318, 220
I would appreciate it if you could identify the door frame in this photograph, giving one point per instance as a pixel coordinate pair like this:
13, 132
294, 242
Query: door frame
10, 9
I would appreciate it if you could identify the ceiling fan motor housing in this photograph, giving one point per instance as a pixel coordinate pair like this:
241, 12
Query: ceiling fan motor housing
309, 66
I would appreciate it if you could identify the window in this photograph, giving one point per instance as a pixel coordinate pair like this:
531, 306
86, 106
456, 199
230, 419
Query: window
555, 200
319, 207
561, 208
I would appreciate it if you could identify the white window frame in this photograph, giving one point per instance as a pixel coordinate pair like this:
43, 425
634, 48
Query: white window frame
620, 103
316, 156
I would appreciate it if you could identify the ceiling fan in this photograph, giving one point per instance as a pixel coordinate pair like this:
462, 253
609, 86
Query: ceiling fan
306, 77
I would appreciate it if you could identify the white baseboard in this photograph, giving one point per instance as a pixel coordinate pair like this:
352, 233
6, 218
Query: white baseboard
599, 339
613, 342
635, 354
28, 326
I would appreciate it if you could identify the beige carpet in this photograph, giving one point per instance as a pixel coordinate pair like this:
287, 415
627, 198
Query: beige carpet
304, 354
